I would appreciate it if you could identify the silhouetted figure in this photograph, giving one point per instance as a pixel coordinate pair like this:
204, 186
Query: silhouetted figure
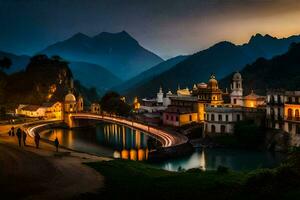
37, 140
9, 133
19, 135
24, 138
12, 131
56, 143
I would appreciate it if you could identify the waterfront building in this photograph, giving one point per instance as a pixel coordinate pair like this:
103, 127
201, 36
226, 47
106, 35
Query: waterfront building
221, 118
158, 104
95, 108
283, 113
71, 104
53, 110
50, 110
183, 110
189, 106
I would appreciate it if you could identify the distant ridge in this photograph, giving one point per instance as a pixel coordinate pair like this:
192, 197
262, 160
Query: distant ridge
280, 72
148, 74
119, 52
222, 58
19, 62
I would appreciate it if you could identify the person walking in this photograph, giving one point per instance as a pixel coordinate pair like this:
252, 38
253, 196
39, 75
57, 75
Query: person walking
24, 138
19, 135
12, 131
56, 143
37, 140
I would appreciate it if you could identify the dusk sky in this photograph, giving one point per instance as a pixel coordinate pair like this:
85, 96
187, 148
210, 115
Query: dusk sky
166, 27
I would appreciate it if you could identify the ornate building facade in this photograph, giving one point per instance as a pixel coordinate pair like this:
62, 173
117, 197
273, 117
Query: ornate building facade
221, 118
283, 113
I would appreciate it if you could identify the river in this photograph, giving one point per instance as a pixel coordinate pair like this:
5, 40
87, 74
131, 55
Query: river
112, 140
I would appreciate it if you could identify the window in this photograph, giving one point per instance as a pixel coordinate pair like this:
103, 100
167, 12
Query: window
227, 118
213, 128
297, 114
190, 117
234, 101
238, 117
167, 117
220, 118
207, 117
290, 113
212, 117
223, 129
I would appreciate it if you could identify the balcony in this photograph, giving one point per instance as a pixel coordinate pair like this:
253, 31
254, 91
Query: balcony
289, 118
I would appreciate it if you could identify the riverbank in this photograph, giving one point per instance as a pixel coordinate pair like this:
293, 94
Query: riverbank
134, 180
31, 173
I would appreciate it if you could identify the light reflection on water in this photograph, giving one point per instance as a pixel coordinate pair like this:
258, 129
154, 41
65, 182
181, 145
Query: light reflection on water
118, 141
104, 139
235, 159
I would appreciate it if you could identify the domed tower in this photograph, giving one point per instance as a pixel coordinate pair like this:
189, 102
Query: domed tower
213, 83
70, 103
236, 95
80, 103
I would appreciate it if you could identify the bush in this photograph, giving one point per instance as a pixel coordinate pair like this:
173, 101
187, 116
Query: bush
248, 133
222, 169
195, 170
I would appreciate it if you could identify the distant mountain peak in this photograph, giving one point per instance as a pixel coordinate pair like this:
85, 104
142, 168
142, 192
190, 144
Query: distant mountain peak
79, 34
223, 44
259, 37
110, 35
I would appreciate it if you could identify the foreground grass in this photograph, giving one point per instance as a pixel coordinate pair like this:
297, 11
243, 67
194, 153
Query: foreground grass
134, 180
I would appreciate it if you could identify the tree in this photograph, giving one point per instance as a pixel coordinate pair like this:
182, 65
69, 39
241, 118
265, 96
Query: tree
112, 103
5, 63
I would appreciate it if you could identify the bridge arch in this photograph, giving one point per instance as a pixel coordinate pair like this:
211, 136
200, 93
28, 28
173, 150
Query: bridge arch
167, 138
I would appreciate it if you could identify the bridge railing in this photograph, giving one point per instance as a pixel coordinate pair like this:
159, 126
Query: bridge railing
168, 139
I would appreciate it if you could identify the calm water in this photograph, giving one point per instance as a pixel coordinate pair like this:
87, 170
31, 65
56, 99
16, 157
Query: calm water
118, 141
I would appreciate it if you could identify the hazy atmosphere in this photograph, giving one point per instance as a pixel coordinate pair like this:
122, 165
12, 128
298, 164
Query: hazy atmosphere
167, 27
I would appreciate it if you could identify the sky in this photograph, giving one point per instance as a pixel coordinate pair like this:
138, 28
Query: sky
166, 27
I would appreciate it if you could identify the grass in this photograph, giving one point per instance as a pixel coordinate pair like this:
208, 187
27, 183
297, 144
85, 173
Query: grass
138, 180
135, 180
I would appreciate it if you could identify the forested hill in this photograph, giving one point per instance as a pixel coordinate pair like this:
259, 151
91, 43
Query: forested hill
280, 72
44, 79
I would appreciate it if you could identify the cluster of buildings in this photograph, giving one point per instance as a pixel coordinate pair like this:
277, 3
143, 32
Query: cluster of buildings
56, 110
219, 111
206, 103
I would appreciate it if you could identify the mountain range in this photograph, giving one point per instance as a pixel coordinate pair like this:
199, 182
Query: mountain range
280, 72
113, 49
117, 52
222, 59
148, 74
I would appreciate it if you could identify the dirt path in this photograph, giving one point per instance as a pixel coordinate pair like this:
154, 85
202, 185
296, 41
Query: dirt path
32, 173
